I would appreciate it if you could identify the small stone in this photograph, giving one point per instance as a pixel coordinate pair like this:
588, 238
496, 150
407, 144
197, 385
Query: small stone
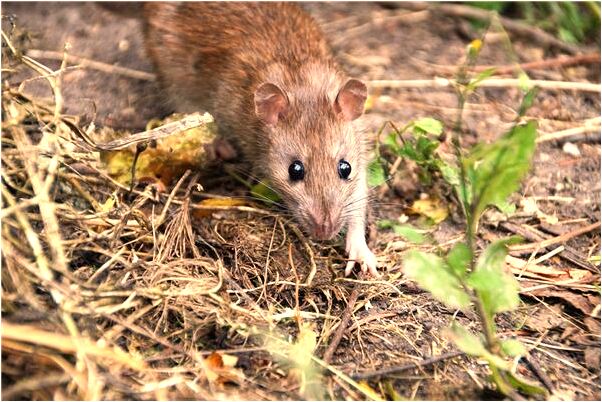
124, 45
571, 149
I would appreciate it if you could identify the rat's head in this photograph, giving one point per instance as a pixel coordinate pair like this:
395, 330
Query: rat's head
315, 152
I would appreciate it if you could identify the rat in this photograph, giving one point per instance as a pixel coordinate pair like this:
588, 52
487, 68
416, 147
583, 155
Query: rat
266, 74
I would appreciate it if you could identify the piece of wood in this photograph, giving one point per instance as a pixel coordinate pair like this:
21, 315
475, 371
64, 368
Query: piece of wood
543, 64
555, 240
343, 324
534, 235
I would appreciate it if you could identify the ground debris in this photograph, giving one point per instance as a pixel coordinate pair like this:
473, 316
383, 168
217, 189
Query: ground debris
206, 287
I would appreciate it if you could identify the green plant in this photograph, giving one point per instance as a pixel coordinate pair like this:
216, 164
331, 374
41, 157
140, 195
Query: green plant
573, 22
486, 175
420, 147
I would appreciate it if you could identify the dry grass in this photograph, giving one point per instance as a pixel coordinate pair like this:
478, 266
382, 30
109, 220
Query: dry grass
119, 294
155, 293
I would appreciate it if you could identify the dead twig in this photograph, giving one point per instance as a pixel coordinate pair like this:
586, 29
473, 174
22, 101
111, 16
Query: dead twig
544, 64
344, 322
405, 367
532, 364
589, 126
415, 17
562, 61
37, 382
535, 235
555, 240
92, 64
440, 82
186, 123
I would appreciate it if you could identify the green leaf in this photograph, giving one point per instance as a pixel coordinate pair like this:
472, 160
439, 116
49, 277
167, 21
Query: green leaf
466, 341
528, 101
264, 192
376, 173
391, 141
494, 255
495, 170
483, 75
425, 148
410, 233
513, 348
566, 35
506, 207
489, 5
408, 151
386, 223
473, 345
431, 274
527, 387
451, 174
497, 288
429, 125
458, 259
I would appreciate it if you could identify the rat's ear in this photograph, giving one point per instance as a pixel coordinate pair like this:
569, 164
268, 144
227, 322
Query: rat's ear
350, 100
270, 103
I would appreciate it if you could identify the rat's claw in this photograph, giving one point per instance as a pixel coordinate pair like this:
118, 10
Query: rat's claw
360, 253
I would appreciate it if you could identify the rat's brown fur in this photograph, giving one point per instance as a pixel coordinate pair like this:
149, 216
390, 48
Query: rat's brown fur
266, 74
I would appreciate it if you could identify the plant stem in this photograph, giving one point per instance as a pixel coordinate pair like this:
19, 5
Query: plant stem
502, 383
470, 213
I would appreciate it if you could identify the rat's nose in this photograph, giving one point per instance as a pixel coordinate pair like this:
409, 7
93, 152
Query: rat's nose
322, 225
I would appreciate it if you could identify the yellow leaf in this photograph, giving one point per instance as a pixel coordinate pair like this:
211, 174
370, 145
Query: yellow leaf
432, 208
222, 202
166, 160
215, 202
108, 204
476, 44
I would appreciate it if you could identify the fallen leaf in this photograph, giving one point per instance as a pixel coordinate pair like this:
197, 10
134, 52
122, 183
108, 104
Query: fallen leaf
523, 268
578, 301
432, 208
168, 159
545, 318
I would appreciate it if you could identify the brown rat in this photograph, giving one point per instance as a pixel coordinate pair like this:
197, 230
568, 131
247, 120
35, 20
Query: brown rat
264, 71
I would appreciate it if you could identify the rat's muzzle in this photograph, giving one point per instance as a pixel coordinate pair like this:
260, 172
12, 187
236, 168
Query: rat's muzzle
324, 226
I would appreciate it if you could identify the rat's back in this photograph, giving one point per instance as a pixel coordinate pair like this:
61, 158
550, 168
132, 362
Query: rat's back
211, 55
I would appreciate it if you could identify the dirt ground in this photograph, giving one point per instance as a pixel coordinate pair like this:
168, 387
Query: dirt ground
394, 322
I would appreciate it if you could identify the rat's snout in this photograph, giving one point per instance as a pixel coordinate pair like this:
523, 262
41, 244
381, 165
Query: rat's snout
323, 225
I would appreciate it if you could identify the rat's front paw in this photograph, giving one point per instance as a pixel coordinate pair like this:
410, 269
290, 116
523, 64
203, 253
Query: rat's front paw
359, 252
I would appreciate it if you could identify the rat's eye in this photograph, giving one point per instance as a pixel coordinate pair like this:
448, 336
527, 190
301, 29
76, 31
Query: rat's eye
296, 171
344, 169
